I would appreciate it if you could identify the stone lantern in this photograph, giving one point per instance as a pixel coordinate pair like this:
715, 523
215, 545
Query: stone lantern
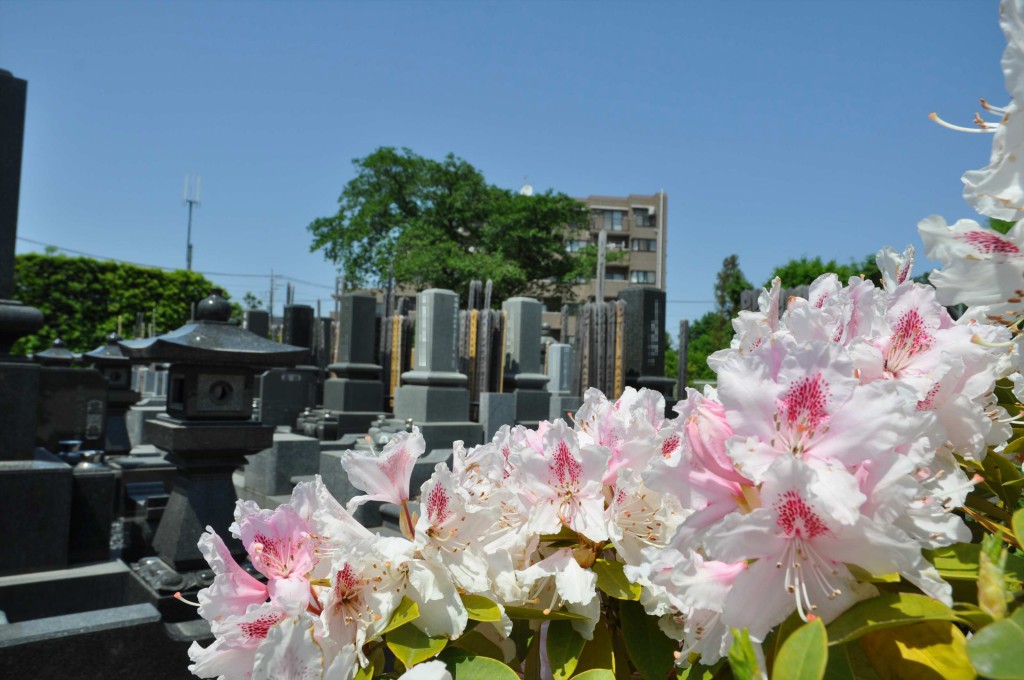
116, 369
58, 355
207, 430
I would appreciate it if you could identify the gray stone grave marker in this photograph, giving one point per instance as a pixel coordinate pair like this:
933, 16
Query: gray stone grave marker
523, 371
644, 352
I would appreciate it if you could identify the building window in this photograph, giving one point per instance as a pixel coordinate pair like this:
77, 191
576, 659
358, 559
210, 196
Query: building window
638, 276
576, 245
610, 219
612, 275
648, 244
643, 217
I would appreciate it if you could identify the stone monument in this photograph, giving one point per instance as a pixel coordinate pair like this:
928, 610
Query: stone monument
643, 353
523, 369
208, 428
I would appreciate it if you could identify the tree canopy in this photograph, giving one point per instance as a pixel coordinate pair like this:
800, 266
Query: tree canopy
798, 272
82, 299
440, 224
713, 331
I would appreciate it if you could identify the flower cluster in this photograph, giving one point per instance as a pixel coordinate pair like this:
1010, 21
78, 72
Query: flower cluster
830, 443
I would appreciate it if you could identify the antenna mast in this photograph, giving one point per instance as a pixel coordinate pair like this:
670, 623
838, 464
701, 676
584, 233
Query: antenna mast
191, 197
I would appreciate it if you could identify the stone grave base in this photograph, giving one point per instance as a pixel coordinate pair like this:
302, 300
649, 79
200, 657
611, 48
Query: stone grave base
428, 404
270, 471
562, 406
496, 409
35, 504
136, 418
347, 394
532, 406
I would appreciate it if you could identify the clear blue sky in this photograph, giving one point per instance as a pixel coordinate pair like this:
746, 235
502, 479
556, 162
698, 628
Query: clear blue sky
777, 129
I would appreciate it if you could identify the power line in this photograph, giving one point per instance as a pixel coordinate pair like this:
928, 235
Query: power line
171, 269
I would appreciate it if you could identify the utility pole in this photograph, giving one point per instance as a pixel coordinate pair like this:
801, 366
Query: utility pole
191, 197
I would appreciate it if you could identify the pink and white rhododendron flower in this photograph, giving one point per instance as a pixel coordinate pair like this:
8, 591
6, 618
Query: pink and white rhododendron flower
384, 476
562, 484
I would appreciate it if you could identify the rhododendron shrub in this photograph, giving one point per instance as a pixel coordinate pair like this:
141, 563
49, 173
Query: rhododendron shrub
846, 499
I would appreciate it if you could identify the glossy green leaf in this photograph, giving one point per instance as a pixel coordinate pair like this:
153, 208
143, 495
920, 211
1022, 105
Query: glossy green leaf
479, 608
698, 671
804, 654
1014, 447
598, 652
406, 611
364, 673
538, 615
972, 615
997, 651
1018, 527
839, 665
595, 674
464, 666
649, 649
742, 659
888, 610
410, 645
957, 562
477, 643
928, 650
1001, 475
611, 578
564, 647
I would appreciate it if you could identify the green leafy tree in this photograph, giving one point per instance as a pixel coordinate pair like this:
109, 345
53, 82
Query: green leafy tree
440, 224
713, 331
82, 299
729, 286
671, 358
251, 301
802, 271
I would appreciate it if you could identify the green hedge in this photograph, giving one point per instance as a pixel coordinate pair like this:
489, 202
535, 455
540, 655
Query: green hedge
82, 299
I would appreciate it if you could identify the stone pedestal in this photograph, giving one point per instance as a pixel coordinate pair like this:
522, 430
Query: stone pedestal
496, 409
270, 471
19, 394
532, 406
562, 405
93, 501
206, 453
35, 504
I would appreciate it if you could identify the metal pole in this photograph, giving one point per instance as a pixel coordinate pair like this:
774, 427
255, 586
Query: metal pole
188, 242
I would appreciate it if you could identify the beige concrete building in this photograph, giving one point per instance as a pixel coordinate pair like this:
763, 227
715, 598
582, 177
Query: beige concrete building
636, 227
637, 230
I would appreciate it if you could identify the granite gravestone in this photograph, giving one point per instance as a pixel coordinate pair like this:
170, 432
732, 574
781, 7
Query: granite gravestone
559, 370
434, 394
35, 492
115, 367
643, 353
257, 321
354, 396
284, 393
523, 371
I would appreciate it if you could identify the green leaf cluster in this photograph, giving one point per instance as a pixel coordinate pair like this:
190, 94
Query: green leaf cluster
82, 299
440, 224
803, 271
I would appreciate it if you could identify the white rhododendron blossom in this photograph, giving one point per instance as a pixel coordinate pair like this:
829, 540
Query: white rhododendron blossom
827, 451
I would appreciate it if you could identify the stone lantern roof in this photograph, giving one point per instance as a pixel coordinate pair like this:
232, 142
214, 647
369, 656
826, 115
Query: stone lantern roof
212, 340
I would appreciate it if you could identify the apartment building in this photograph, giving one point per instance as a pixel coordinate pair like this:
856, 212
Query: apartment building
636, 230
